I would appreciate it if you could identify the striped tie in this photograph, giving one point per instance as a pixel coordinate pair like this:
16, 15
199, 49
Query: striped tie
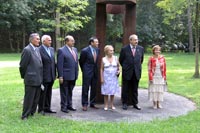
133, 51
74, 55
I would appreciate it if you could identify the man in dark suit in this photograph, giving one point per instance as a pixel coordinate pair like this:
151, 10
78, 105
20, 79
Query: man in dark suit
49, 74
131, 58
88, 63
67, 65
31, 70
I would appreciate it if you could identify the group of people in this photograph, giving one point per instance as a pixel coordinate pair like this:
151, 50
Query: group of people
38, 69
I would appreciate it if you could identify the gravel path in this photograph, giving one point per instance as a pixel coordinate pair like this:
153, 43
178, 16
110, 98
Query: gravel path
173, 106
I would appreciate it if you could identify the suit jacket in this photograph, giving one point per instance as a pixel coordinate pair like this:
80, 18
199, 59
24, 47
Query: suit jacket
131, 63
87, 63
66, 65
31, 68
49, 66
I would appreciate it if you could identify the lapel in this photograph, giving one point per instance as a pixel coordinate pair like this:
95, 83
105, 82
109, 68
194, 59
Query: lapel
35, 52
52, 52
136, 51
32, 50
68, 52
89, 52
44, 51
75, 51
129, 50
97, 52
46, 54
91, 55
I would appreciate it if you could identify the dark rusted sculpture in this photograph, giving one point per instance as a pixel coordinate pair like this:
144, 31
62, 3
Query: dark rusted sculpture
125, 7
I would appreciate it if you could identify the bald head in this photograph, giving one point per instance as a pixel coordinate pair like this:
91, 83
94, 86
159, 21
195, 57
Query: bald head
69, 40
133, 36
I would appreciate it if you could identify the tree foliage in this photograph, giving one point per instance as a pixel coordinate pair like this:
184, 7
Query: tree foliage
158, 21
13, 13
149, 26
71, 15
172, 9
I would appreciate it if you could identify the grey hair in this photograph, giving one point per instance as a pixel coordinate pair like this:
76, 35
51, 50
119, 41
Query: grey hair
44, 37
32, 36
132, 36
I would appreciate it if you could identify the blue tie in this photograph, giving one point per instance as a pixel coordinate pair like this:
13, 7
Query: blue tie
48, 51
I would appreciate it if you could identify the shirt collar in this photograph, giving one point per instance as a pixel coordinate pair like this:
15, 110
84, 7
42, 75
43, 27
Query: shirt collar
47, 48
70, 48
133, 46
32, 46
92, 48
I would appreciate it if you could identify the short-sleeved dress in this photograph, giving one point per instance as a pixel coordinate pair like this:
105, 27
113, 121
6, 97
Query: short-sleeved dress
157, 88
110, 85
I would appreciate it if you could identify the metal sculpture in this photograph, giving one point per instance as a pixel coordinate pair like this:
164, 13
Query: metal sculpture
125, 7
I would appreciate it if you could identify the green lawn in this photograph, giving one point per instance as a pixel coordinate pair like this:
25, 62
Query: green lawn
180, 68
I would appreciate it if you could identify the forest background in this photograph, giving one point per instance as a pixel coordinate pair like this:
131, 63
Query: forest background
170, 24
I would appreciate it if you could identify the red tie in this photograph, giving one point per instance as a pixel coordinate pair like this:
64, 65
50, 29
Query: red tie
94, 55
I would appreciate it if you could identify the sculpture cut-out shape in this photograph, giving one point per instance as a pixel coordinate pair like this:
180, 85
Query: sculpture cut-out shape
125, 7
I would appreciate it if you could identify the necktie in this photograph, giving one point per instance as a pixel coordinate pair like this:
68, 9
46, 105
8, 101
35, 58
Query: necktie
74, 55
94, 55
37, 53
48, 51
133, 51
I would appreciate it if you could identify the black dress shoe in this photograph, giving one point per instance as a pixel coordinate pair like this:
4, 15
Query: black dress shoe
136, 107
124, 107
94, 107
24, 118
71, 108
65, 110
41, 112
49, 111
84, 108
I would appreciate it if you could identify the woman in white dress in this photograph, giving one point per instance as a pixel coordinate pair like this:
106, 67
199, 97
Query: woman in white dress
109, 76
157, 77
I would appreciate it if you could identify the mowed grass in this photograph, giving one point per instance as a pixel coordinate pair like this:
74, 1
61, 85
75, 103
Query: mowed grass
180, 69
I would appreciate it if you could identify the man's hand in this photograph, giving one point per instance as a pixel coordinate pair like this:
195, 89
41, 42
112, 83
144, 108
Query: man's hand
61, 80
151, 82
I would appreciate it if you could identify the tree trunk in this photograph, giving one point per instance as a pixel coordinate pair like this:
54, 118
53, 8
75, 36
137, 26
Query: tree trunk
191, 43
57, 31
196, 74
24, 36
10, 41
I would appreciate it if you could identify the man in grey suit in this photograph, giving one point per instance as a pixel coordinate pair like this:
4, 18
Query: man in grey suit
67, 65
131, 58
31, 70
49, 74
